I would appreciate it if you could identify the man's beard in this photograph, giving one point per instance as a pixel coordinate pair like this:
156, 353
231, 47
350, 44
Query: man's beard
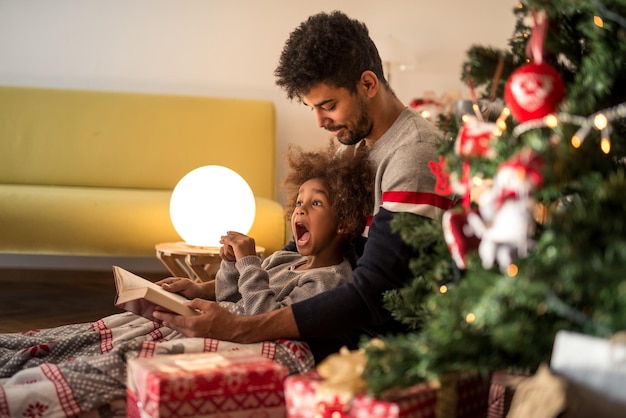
361, 130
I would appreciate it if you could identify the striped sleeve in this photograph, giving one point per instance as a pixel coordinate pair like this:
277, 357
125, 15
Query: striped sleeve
430, 205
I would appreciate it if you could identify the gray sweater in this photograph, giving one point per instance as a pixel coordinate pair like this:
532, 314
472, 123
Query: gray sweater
273, 283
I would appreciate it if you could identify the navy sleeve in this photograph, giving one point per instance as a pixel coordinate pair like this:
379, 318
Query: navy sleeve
384, 265
290, 246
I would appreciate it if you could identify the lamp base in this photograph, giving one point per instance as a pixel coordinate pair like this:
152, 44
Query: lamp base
192, 261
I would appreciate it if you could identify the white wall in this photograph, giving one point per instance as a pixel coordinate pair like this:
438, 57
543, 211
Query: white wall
230, 48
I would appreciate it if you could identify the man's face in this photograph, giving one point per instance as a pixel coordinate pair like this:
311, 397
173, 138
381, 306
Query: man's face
344, 115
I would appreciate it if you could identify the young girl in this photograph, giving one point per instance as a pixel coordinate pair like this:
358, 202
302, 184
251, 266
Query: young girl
331, 202
80, 369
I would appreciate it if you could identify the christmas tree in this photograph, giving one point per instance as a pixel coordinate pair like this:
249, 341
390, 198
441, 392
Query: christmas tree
537, 243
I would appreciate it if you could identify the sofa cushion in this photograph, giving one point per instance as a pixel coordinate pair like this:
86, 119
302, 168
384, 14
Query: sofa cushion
104, 221
136, 140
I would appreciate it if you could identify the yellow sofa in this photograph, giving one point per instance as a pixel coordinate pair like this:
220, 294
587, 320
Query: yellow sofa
91, 172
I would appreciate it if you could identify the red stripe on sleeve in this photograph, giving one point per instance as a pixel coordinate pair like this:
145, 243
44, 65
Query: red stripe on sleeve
418, 198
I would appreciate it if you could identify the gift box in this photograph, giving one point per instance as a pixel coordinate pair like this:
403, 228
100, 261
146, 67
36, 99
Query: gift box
328, 390
237, 384
463, 395
304, 400
501, 391
602, 368
415, 402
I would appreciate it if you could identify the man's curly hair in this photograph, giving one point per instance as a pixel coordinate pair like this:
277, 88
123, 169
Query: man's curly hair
330, 48
349, 177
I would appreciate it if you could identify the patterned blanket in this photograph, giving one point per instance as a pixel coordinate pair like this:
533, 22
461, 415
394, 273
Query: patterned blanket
79, 370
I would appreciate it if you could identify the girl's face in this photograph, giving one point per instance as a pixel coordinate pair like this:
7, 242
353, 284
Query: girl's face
313, 221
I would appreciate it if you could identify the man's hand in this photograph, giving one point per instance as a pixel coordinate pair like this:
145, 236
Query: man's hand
216, 322
212, 322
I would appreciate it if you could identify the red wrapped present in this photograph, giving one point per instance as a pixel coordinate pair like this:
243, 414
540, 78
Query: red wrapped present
237, 384
501, 393
304, 400
463, 395
415, 402
300, 394
328, 390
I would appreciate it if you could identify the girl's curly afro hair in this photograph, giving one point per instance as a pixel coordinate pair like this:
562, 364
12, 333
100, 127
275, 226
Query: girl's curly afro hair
348, 175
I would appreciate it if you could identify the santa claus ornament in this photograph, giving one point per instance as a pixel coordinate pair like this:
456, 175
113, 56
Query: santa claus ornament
534, 90
475, 139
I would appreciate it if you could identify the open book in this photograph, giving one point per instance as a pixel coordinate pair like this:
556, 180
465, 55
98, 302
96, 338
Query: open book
138, 295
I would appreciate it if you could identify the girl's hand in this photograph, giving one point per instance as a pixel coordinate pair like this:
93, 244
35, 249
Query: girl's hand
182, 285
227, 253
241, 245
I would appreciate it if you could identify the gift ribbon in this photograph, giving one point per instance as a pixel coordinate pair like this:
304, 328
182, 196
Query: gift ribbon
534, 48
465, 179
342, 373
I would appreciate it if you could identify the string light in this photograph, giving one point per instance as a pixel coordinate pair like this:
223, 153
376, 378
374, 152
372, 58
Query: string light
552, 121
605, 144
597, 20
599, 120
470, 317
476, 110
443, 289
579, 136
512, 270
501, 121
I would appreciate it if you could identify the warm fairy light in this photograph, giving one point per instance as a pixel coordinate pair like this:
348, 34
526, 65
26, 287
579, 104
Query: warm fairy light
470, 317
465, 118
551, 121
501, 121
600, 121
443, 288
579, 136
425, 114
597, 20
605, 144
512, 270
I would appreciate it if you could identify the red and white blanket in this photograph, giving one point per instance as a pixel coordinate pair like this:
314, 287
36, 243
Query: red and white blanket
79, 370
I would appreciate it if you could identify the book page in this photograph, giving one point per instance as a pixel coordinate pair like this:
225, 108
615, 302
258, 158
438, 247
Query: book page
125, 280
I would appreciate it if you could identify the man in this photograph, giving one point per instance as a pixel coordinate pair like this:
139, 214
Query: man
330, 64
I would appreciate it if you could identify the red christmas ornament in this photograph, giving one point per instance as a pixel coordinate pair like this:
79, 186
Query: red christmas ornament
443, 177
459, 235
475, 139
533, 91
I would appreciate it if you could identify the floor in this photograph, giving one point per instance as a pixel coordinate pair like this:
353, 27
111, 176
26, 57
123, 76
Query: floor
36, 299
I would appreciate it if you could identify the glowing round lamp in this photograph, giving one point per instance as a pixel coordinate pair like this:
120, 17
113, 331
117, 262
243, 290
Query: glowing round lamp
209, 201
